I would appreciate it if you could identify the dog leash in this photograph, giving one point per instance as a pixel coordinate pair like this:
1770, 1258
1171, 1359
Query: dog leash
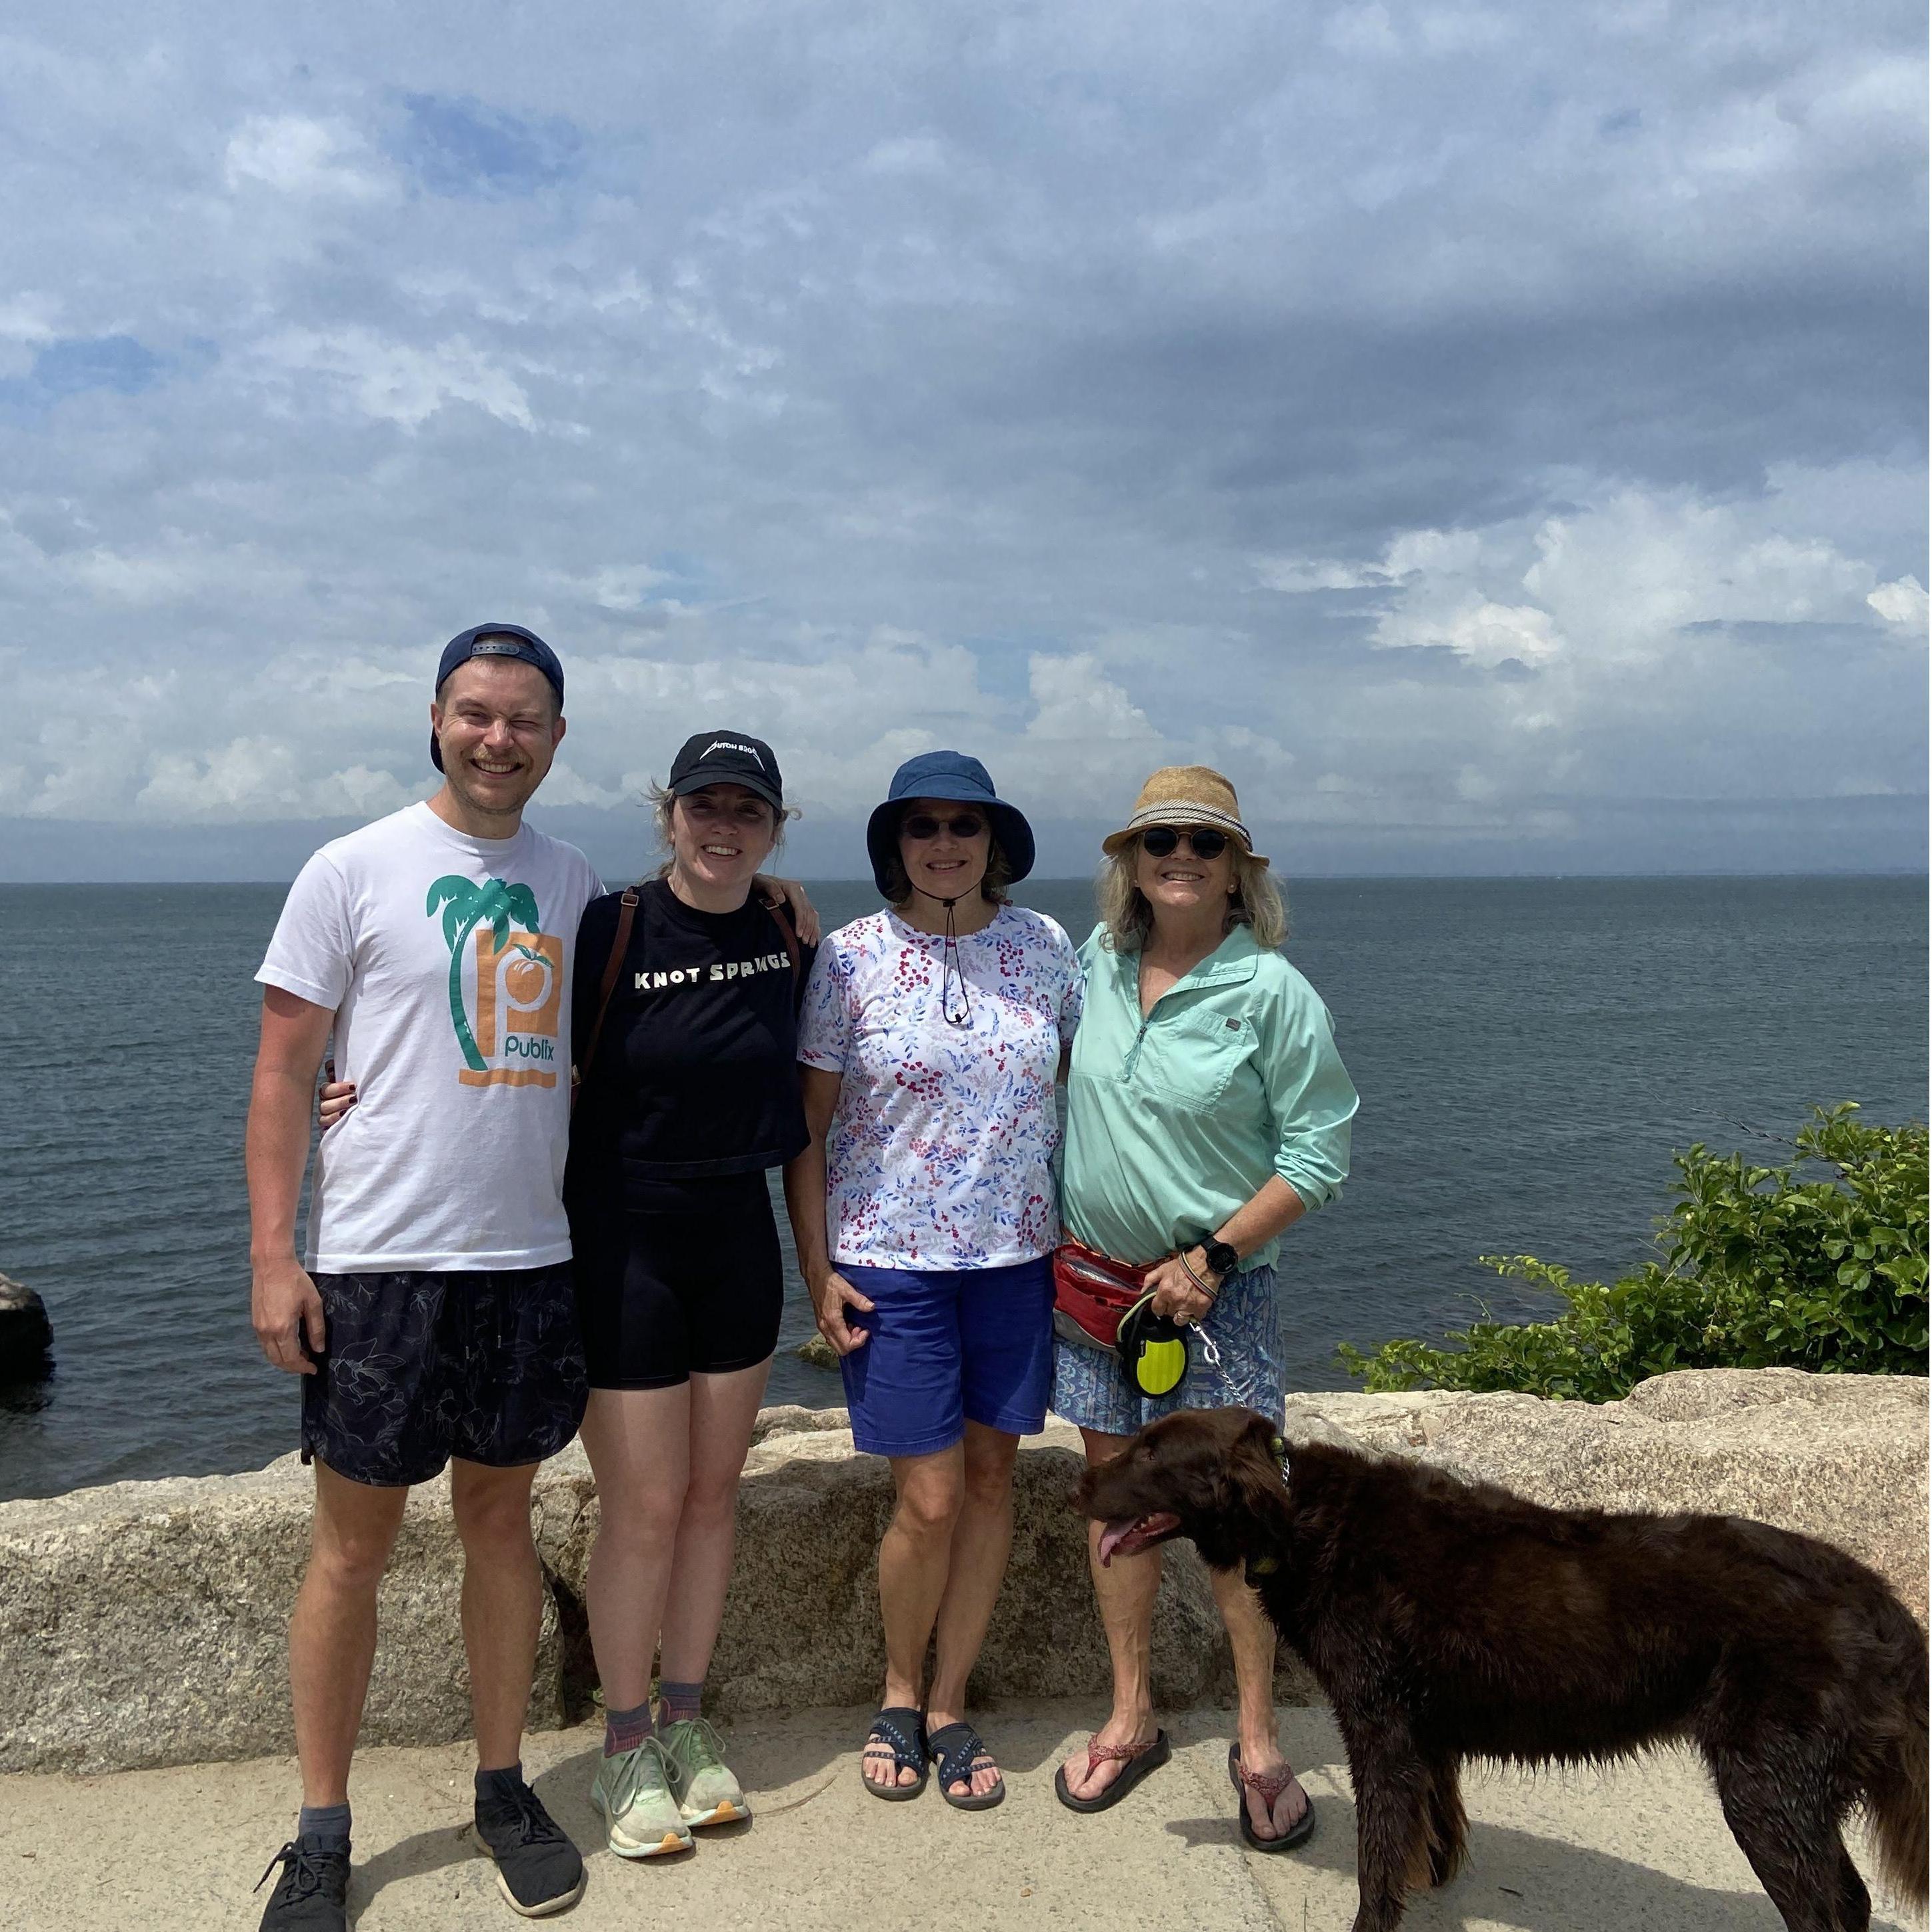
1246, 1388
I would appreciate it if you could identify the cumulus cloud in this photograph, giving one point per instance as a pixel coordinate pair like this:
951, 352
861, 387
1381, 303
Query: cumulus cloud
1622, 582
297, 155
1902, 605
398, 382
1088, 387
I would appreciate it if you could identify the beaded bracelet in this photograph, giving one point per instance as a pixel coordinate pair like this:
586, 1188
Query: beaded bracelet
1181, 1257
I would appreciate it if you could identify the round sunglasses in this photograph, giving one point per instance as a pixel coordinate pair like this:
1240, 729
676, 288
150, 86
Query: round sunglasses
1203, 841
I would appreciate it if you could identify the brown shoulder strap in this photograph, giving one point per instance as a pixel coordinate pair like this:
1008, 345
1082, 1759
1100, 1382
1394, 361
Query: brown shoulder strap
791, 938
620, 946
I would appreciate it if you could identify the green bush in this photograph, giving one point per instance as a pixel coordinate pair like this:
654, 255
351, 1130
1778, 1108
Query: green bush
1783, 1267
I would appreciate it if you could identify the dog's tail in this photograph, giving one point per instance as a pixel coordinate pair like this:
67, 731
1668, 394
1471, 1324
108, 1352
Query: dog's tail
1895, 1786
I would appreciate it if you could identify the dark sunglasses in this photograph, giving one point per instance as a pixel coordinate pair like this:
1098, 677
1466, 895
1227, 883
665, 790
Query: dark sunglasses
922, 825
1158, 840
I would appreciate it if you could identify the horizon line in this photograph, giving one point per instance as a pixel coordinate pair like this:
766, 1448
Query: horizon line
1305, 878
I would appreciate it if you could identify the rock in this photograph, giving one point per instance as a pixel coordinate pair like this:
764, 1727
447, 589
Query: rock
788, 1418
1839, 1457
819, 1352
26, 1336
1303, 1421
802, 1621
144, 1624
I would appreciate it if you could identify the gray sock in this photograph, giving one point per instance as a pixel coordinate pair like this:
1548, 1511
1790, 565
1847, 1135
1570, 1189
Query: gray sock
325, 1827
625, 1730
680, 1701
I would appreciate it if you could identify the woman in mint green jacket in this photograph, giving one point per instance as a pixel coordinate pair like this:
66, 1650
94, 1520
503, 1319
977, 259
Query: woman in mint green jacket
1207, 1112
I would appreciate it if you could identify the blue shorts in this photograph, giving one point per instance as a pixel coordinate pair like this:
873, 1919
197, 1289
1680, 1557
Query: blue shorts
945, 1348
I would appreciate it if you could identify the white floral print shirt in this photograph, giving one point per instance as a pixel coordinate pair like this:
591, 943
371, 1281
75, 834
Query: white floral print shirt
940, 1153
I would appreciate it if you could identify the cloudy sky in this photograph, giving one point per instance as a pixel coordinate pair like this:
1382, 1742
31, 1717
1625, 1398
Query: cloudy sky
1494, 434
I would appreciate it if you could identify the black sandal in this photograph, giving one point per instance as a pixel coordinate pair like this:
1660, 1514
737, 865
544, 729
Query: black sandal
1270, 1785
907, 1743
957, 1748
1135, 1761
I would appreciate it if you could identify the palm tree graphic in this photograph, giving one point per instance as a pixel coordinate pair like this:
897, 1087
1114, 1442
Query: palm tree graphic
467, 905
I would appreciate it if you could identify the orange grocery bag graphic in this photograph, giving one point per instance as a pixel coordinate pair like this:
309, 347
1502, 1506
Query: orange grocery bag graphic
519, 981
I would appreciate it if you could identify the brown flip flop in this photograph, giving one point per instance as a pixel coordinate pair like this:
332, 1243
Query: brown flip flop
1135, 1762
1270, 1785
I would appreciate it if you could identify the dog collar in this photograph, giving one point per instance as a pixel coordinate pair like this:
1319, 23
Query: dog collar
1266, 1566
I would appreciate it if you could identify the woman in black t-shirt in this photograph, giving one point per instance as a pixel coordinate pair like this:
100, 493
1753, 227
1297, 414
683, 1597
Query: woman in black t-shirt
688, 1093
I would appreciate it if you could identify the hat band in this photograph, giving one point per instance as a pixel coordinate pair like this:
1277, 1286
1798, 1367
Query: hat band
1188, 812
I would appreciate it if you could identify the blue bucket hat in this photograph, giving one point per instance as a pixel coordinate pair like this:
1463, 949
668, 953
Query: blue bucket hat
952, 776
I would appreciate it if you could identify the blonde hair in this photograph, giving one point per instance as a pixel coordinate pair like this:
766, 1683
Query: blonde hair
664, 801
1256, 900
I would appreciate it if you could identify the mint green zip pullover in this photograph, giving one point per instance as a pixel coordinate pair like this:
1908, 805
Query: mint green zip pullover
1173, 1122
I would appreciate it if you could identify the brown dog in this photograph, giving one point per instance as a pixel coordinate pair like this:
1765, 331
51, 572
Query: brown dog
1446, 1619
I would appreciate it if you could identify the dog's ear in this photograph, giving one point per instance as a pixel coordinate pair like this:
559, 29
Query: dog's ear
1253, 1476
1255, 1491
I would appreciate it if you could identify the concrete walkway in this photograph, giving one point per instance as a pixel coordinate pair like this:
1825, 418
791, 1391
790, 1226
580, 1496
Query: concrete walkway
179, 1848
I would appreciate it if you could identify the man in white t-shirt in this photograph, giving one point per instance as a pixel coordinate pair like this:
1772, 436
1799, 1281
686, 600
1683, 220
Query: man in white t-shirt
434, 1320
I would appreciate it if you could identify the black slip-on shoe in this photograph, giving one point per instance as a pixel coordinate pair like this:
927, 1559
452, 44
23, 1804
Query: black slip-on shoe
310, 1895
538, 1870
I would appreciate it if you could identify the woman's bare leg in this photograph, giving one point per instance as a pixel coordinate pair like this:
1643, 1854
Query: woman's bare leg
1251, 1635
723, 1408
639, 1443
915, 1557
1125, 1590
981, 1538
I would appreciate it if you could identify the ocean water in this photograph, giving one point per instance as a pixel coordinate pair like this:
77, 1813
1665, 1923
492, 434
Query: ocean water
1529, 1052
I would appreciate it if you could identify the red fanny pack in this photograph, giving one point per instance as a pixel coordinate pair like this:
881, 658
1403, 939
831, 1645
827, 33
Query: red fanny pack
1093, 1290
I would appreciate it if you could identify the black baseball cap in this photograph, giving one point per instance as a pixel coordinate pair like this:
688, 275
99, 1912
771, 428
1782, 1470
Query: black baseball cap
727, 757
496, 640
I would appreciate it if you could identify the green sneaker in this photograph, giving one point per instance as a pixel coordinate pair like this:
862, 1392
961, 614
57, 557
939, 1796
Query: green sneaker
707, 1793
634, 1791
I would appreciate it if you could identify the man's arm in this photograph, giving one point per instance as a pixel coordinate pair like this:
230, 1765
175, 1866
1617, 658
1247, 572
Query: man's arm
286, 1306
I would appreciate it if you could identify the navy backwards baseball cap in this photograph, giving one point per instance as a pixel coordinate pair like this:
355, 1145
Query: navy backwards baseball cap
952, 775
727, 757
496, 640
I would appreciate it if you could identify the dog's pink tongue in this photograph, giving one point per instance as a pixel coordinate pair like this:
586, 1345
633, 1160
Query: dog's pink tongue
1111, 1538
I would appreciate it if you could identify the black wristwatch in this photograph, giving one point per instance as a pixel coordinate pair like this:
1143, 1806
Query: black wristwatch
1221, 1257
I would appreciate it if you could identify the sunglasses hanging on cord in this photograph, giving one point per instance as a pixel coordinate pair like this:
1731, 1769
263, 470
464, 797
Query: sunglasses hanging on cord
951, 973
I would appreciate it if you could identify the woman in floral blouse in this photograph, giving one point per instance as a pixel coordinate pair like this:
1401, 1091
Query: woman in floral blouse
924, 1217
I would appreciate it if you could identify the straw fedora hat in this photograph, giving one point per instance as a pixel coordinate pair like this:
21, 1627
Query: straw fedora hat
1185, 795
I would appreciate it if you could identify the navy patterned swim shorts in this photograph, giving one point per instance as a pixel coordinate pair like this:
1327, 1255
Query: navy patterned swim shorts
418, 1367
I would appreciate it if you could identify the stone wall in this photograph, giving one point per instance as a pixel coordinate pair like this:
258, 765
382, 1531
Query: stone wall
1842, 1457
143, 1623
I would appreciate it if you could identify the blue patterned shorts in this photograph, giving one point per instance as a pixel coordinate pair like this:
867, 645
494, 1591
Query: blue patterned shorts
420, 1367
1090, 1389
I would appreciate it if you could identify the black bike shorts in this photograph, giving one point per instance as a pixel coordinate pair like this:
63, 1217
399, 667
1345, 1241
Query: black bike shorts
420, 1367
666, 1293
